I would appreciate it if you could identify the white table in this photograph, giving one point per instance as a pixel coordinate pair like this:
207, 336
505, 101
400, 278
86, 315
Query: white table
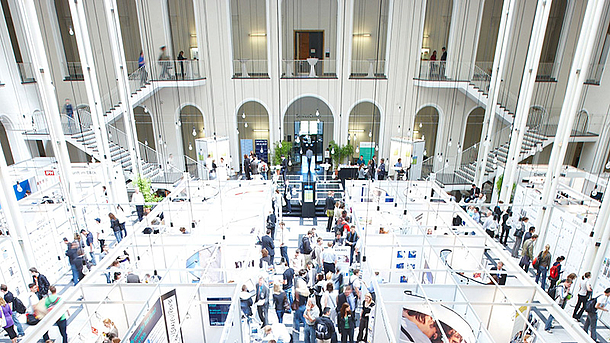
244, 69
312, 63
371, 73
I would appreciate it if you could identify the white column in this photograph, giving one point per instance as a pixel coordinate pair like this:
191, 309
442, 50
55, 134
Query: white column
504, 34
274, 57
578, 73
120, 67
593, 258
528, 82
462, 41
50, 107
81, 33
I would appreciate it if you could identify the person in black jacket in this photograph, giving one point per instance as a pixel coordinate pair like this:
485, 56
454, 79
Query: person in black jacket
247, 167
271, 222
351, 240
76, 262
41, 282
505, 226
367, 307
346, 323
330, 209
324, 326
306, 246
267, 243
499, 274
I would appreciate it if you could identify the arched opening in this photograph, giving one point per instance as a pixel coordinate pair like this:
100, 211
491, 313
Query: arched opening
253, 130
308, 122
146, 133
363, 129
426, 128
6, 147
474, 126
581, 123
191, 127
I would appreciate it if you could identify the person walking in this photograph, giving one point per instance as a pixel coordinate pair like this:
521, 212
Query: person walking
345, 322
247, 169
544, 261
381, 171
181, 60
330, 209
301, 295
351, 240
555, 272
42, 283
584, 291
528, 253
271, 222
519, 233
15, 305
69, 111
122, 217
50, 302
280, 302
76, 262
267, 243
138, 200
164, 62
505, 217
601, 304
367, 307
262, 301
312, 312
561, 298
142, 69
288, 281
329, 259
9, 324
245, 302
116, 227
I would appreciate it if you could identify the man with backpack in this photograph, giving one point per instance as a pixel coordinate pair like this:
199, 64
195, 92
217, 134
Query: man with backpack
305, 246
325, 328
561, 298
16, 305
555, 272
599, 303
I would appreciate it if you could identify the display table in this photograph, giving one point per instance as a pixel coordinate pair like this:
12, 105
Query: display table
244, 69
312, 64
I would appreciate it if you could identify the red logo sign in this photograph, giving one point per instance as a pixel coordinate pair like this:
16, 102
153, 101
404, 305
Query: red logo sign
49, 172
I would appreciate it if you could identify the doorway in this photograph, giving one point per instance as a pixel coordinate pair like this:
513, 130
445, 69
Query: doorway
308, 44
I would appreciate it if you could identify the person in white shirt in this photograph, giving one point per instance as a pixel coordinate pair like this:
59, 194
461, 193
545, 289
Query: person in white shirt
122, 217
329, 259
297, 262
277, 332
32, 298
138, 200
583, 289
489, 224
600, 305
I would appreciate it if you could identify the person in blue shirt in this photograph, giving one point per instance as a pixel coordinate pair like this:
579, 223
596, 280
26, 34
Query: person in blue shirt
360, 161
142, 68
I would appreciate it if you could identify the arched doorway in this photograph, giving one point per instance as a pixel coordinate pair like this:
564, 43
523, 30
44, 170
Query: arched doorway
6, 147
191, 127
308, 122
253, 130
146, 134
474, 126
426, 128
363, 129
581, 122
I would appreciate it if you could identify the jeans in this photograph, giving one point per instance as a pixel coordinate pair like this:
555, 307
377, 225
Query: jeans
75, 274
289, 295
297, 320
549, 323
92, 254
18, 325
542, 275
284, 253
280, 315
310, 333
591, 322
119, 236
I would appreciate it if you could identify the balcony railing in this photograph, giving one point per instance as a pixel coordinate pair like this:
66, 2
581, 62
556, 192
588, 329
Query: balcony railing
177, 70
545, 72
595, 73
368, 69
310, 68
250, 69
26, 71
74, 71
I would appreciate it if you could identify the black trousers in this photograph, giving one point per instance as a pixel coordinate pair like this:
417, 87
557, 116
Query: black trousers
504, 234
580, 306
329, 267
262, 314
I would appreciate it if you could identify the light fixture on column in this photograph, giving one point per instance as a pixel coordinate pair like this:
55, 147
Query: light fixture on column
459, 148
398, 128
245, 124
608, 165
280, 144
71, 30
317, 113
423, 138
194, 132
370, 133
261, 150
190, 146
409, 133
425, 152
376, 148
243, 115
440, 157
447, 164
238, 132
420, 125
449, 143
332, 151
146, 142
357, 149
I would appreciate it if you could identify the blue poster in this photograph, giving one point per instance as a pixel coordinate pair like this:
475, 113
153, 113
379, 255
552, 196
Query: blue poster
246, 146
262, 150
148, 323
21, 188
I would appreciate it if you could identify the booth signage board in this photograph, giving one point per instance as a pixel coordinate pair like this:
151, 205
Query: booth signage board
154, 330
367, 150
262, 149
218, 311
246, 146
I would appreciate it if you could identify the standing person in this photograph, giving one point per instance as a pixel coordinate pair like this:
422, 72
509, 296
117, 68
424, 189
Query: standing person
267, 243
555, 272
76, 262
284, 168
489, 224
164, 62
42, 284
584, 291
98, 233
330, 209
9, 327
345, 322
280, 302
116, 227
601, 304
272, 220
529, 233
544, 261
301, 295
499, 273
443, 62
370, 170
15, 305
245, 302
528, 253
69, 110
288, 197
350, 240
318, 251
329, 299
247, 167
325, 328
51, 301
367, 307
142, 68
505, 219
381, 171
32, 300
306, 246
312, 312
329, 259
181, 60
288, 281
265, 261
362, 172
138, 200
122, 217
89, 244
297, 262
110, 328
561, 298
262, 301
519, 233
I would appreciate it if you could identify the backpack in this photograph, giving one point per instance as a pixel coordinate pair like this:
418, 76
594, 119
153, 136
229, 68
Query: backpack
590, 306
553, 292
554, 272
18, 306
322, 331
313, 254
519, 232
301, 244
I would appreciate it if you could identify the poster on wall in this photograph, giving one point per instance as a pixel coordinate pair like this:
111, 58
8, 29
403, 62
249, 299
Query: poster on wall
262, 149
154, 330
420, 322
404, 260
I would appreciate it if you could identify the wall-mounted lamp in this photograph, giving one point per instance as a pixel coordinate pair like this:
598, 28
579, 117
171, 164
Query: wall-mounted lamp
260, 130
362, 34
356, 130
257, 34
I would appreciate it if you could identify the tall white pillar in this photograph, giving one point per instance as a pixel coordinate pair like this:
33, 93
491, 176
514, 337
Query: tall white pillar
463, 38
578, 73
120, 67
528, 82
85, 52
274, 57
504, 34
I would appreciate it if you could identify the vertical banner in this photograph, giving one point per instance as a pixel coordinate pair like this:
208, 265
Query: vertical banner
246, 146
154, 330
172, 317
262, 149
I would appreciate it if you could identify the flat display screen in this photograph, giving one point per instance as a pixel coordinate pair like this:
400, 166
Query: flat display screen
218, 312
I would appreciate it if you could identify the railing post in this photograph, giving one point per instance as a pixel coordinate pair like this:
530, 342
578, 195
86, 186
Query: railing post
508, 13
578, 74
528, 82
118, 56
